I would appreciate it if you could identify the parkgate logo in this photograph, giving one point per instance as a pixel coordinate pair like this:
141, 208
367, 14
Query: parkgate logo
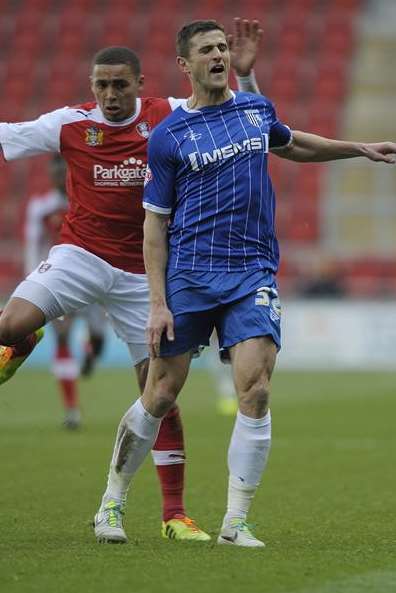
130, 172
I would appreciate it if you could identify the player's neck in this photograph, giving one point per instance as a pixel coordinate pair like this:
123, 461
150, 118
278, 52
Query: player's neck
207, 98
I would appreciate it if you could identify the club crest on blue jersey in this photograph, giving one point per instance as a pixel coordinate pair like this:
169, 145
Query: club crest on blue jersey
94, 136
143, 128
191, 135
254, 117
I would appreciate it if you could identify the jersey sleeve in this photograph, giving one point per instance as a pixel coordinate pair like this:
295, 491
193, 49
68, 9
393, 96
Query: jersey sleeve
159, 185
19, 140
280, 134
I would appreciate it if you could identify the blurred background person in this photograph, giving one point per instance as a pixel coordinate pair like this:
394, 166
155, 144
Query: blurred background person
321, 279
44, 216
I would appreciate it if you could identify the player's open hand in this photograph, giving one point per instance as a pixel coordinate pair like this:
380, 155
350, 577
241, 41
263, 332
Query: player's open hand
243, 44
381, 152
160, 320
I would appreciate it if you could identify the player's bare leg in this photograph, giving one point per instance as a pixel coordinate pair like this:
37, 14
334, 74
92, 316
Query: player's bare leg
66, 370
20, 331
136, 435
19, 319
253, 361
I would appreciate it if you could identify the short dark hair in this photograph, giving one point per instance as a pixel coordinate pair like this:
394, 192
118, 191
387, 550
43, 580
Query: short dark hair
188, 31
117, 55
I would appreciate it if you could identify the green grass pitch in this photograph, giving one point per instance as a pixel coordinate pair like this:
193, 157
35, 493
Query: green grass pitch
326, 507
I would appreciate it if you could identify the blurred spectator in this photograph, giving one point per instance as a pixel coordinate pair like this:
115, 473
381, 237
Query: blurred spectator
323, 280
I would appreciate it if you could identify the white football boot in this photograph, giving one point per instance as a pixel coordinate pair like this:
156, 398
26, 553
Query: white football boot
108, 523
72, 419
236, 532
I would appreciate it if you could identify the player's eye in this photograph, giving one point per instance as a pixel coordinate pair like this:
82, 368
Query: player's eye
121, 84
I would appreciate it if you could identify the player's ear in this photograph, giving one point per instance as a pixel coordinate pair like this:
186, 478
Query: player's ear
183, 64
140, 82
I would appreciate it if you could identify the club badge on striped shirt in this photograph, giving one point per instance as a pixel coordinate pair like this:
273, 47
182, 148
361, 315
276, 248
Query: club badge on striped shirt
254, 117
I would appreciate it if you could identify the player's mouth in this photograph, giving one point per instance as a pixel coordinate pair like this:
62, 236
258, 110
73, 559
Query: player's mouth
112, 110
217, 69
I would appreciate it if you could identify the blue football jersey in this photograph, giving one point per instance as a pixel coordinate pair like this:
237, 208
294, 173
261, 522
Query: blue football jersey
208, 169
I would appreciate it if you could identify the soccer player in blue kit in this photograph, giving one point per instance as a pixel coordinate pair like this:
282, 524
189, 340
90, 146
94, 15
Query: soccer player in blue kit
211, 255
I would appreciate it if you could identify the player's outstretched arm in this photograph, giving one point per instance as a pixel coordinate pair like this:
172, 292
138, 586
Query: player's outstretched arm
243, 44
155, 251
306, 147
30, 138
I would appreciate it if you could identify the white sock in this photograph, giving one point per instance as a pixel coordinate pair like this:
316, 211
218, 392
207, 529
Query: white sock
136, 435
247, 457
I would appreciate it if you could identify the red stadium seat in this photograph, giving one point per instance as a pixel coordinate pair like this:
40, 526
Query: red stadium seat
17, 89
10, 273
283, 89
4, 179
28, 21
293, 113
36, 6
307, 184
324, 126
71, 42
29, 43
116, 37
285, 64
330, 89
304, 224
338, 43
20, 65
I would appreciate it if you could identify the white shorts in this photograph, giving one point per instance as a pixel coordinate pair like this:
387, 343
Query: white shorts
95, 317
72, 278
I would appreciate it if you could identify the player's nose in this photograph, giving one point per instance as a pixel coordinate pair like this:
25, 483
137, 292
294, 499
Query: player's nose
216, 54
109, 93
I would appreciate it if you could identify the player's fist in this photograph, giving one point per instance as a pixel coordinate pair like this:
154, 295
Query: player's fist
380, 152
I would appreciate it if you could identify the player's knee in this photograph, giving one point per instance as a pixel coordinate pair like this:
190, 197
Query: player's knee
255, 399
9, 332
165, 394
164, 400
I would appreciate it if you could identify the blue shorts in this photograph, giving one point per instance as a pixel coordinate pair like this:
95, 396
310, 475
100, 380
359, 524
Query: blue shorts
239, 305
